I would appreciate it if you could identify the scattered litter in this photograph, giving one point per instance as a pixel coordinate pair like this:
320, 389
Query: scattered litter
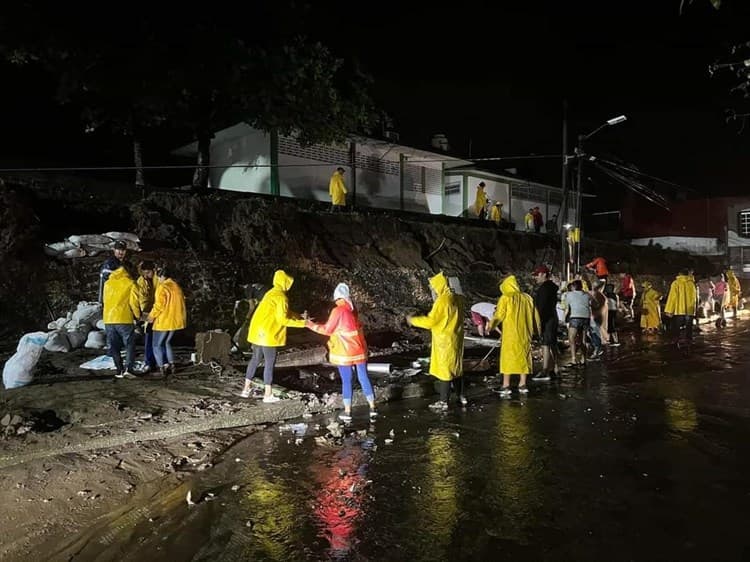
189, 498
235, 487
388, 441
392, 433
298, 429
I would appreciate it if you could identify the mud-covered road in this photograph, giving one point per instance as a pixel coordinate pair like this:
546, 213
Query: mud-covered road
642, 457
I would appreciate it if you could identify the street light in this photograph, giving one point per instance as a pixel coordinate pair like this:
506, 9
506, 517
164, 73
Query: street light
581, 155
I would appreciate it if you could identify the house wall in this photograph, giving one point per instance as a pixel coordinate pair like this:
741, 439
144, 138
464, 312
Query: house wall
696, 245
738, 241
247, 147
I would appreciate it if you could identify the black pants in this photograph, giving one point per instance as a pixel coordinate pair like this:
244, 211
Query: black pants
444, 387
678, 321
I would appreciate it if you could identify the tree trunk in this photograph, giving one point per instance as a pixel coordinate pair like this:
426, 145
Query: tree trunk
200, 176
140, 182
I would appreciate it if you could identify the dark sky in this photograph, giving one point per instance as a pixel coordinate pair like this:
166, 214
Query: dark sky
498, 75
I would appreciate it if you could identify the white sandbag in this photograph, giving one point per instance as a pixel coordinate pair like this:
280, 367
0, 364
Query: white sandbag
96, 340
90, 252
57, 248
85, 239
88, 313
122, 236
58, 324
18, 370
77, 338
57, 341
100, 324
76, 326
103, 362
74, 253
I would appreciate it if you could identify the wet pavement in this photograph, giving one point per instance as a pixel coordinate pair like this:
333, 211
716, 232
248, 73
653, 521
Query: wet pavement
643, 456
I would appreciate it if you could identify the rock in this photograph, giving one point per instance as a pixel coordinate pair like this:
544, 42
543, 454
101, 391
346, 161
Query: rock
6, 420
16, 420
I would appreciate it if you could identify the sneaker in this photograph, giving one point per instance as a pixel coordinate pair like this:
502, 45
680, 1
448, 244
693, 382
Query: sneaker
271, 399
541, 377
523, 389
119, 375
439, 405
373, 414
244, 394
463, 400
600, 353
128, 375
343, 417
504, 391
616, 344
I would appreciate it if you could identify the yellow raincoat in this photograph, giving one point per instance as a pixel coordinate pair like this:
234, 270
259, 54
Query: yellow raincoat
650, 310
446, 322
682, 297
496, 214
734, 289
146, 292
120, 299
337, 189
520, 320
480, 201
272, 317
169, 307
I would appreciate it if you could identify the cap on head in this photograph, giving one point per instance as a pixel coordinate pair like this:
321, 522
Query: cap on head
147, 265
119, 245
341, 291
542, 269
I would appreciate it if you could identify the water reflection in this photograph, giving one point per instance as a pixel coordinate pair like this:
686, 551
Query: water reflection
341, 484
681, 414
516, 486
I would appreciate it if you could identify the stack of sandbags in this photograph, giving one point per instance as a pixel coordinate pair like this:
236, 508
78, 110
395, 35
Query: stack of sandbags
80, 245
77, 329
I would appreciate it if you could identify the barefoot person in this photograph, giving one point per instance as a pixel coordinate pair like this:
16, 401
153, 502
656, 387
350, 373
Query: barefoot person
347, 348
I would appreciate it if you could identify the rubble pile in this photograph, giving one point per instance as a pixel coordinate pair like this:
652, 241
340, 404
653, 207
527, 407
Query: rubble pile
82, 245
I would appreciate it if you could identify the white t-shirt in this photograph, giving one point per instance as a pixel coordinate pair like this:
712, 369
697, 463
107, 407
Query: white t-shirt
485, 309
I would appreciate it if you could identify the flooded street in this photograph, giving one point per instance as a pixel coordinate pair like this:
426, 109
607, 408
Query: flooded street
642, 456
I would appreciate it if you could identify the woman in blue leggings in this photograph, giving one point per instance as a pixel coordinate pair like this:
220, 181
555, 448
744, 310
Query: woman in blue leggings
347, 348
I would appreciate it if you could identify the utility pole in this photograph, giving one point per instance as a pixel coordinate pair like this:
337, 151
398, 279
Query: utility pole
563, 213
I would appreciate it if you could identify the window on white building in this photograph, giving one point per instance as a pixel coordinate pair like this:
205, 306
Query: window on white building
743, 223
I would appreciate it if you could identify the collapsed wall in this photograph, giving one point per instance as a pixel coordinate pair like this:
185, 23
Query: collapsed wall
219, 241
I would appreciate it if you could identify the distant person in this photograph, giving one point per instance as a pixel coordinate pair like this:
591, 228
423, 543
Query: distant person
480, 202
267, 332
627, 292
735, 291
528, 220
538, 220
577, 303
599, 318
706, 296
551, 225
584, 282
119, 251
481, 313
613, 307
545, 301
650, 309
337, 190
146, 287
496, 213
599, 266
347, 348
721, 300
120, 312
168, 316
520, 322
446, 324
680, 307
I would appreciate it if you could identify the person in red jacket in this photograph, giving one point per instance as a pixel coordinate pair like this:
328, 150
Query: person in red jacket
347, 348
599, 266
627, 292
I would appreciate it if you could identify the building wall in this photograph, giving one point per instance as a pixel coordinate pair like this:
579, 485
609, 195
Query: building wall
701, 246
249, 152
738, 238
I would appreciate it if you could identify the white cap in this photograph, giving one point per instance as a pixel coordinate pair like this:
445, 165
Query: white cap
341, 292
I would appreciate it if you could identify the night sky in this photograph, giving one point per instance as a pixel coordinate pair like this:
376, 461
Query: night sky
497, 77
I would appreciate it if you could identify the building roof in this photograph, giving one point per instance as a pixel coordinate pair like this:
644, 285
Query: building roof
515, 180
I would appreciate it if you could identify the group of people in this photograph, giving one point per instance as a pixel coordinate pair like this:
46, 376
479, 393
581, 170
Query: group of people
486, 208
148, 296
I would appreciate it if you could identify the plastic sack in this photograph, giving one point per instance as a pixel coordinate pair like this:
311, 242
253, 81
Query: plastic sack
125, 236
18, 370
77, 338
58, 324
88, 313
104, 362
100, 325
74, 253
86, 239
57, 248
57, 341
96, 340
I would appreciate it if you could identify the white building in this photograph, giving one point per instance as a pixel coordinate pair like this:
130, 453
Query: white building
379, 174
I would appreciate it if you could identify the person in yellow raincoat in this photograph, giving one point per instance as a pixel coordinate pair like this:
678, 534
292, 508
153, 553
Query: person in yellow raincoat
446, 322
496, 213
680, 306
168, 315
337, 190
121, 310
734, 291
267, 332
520, 321
650, 309
480, 202
146, 284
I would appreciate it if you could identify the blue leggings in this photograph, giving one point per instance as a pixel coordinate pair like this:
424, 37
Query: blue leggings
346, 382
269, 360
